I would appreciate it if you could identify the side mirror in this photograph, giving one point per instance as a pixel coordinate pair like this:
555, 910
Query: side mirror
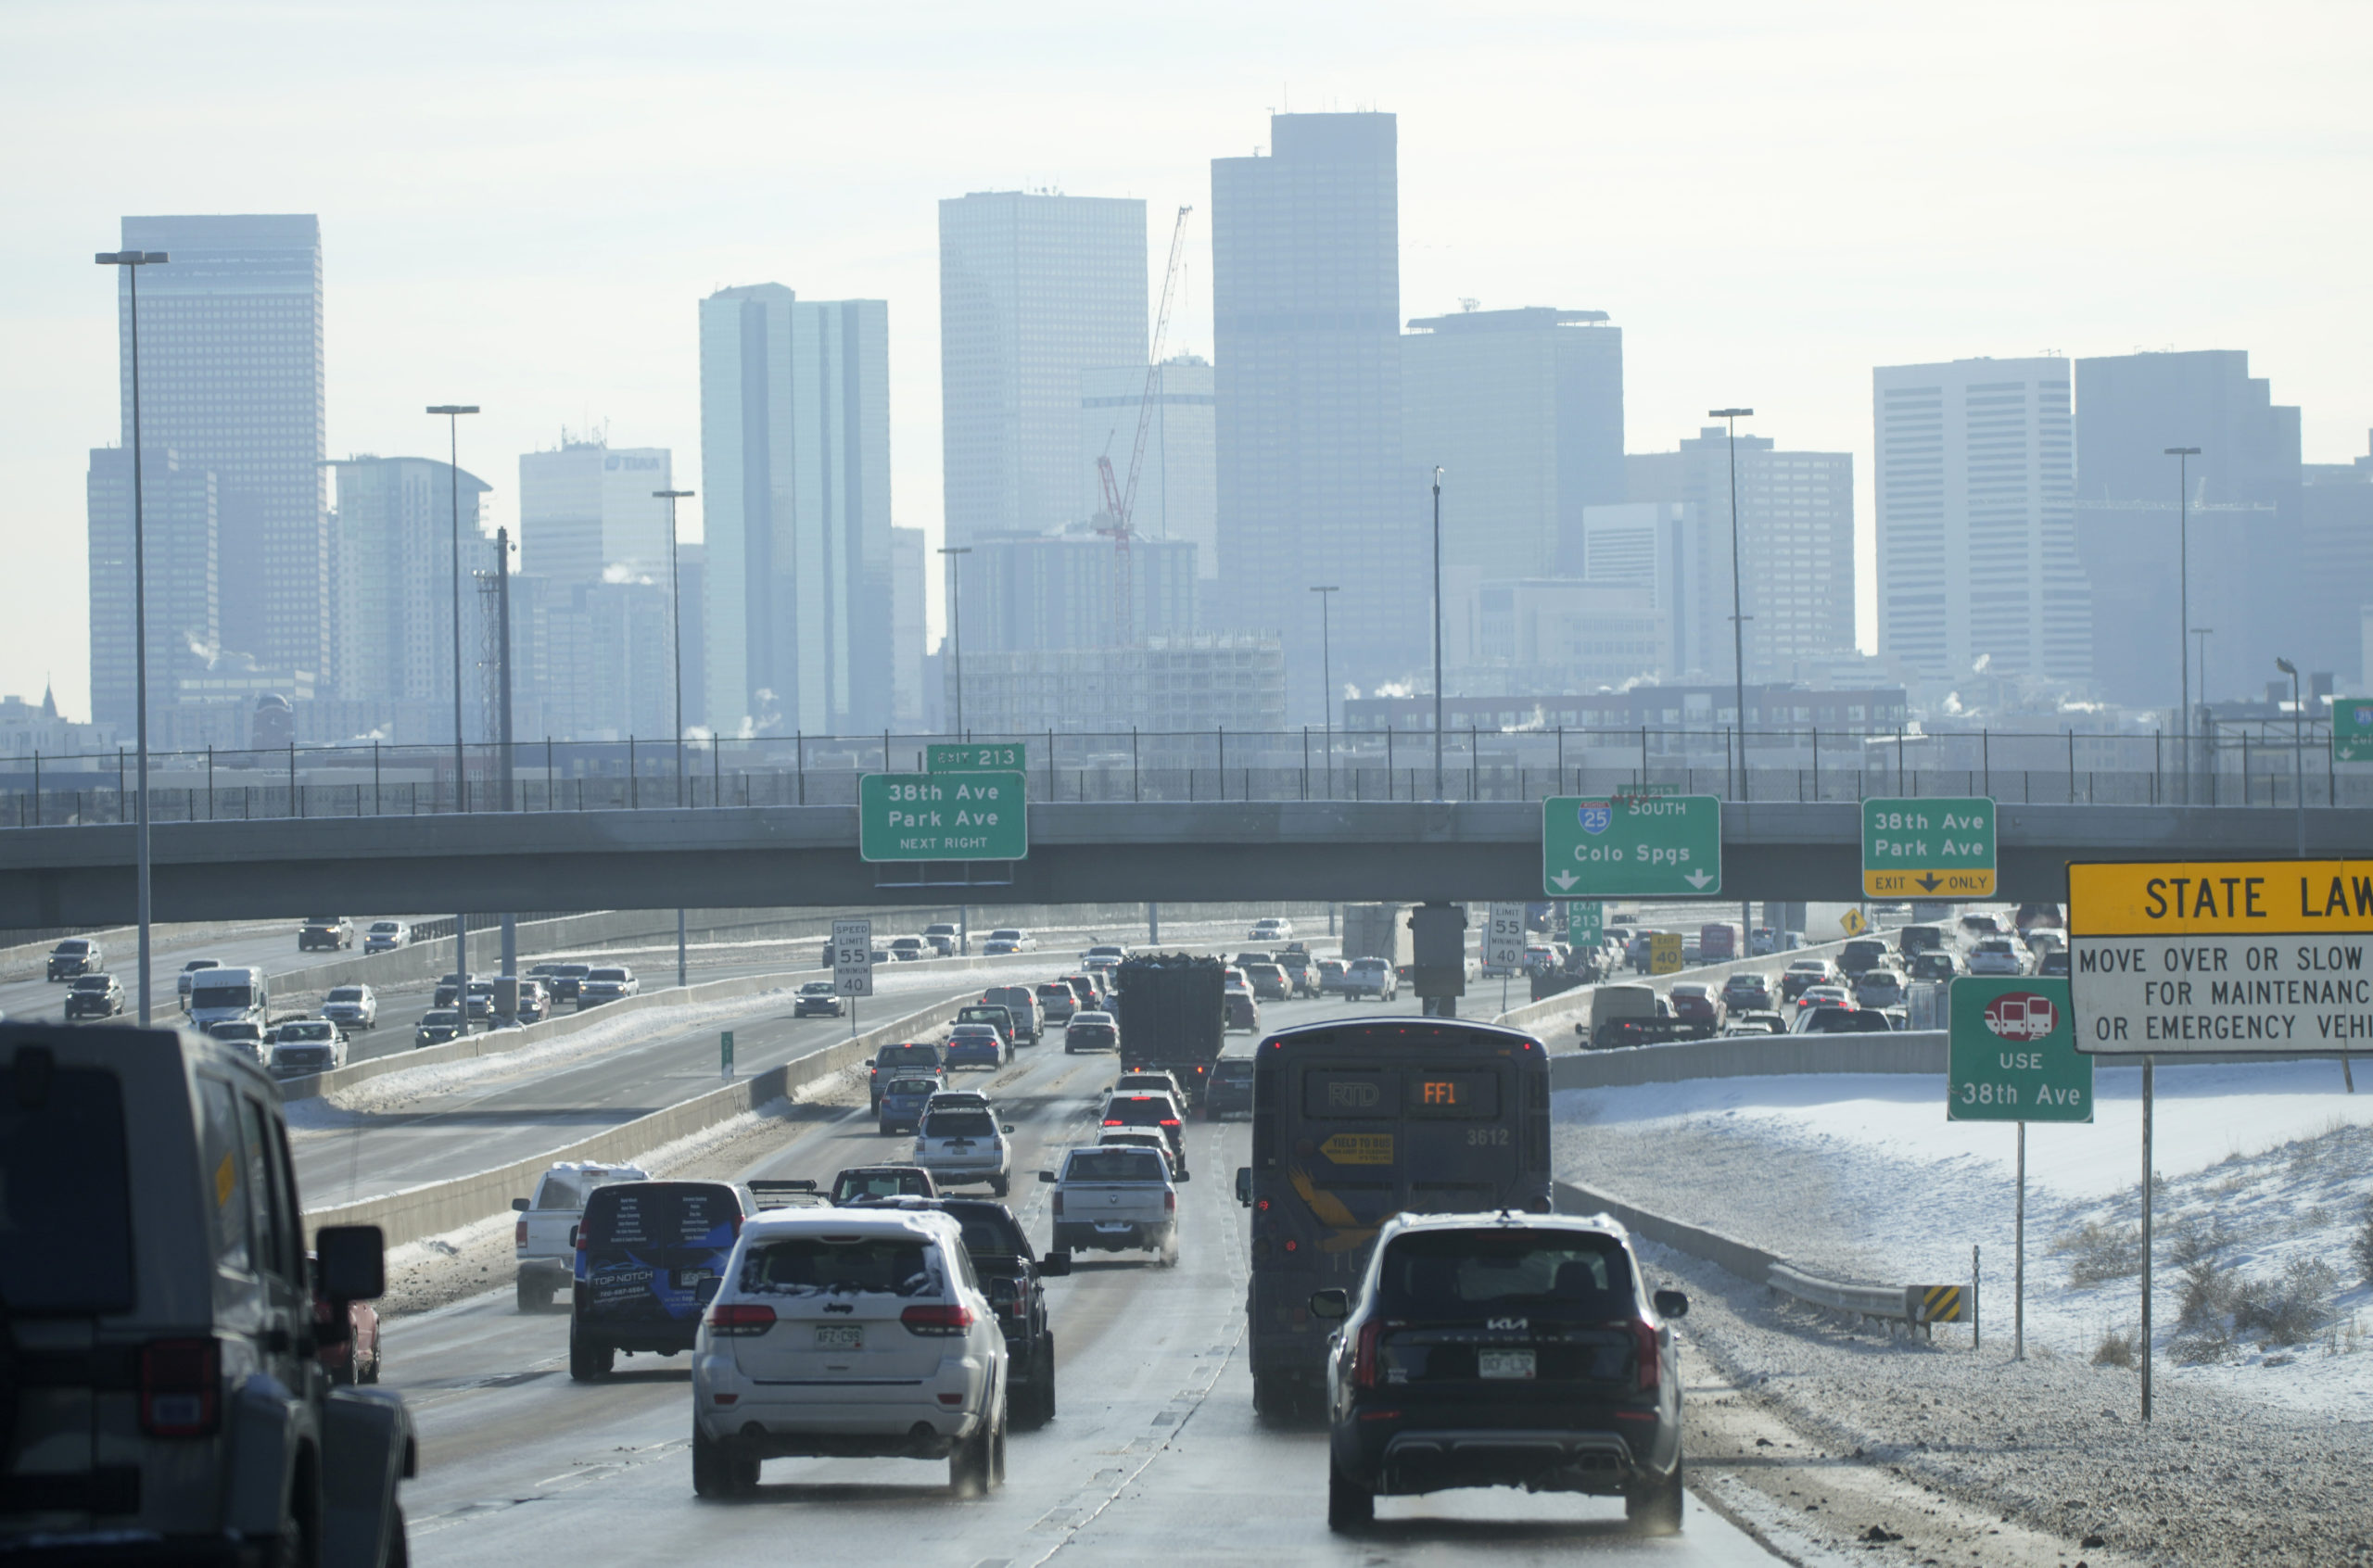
1672, 1304
1333, 1306
1186, 1176
353, 1262
572, 1235
705, 1292
1244, 1186
519, 1206
1047, 1177
1055, 1265
1009, 1127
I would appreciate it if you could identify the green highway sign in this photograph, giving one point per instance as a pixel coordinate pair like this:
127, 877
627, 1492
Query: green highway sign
1631, 846
942, 816
1585, 920
2352, 729
973, 756
1938, 848
2012, 1055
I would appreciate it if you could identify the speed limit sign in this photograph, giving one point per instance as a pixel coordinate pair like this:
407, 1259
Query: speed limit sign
853, 957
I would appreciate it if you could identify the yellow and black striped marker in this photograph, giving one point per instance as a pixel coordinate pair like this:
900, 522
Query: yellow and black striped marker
1942, 1304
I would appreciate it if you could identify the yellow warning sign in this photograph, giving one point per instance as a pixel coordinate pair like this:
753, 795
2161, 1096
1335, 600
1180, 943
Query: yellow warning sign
1664, 953
1359, 1149
1943, 1304
2221, 897
1852, 923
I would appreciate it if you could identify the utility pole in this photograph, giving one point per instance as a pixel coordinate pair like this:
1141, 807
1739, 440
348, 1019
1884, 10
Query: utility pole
451, 413
676, 665
1738, 614
1438, 631
955, 623
2183, 456
1326, 679
503, 712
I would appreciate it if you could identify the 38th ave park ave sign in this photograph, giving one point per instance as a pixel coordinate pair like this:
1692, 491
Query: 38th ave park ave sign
1935, 848
942, 816
2246, 955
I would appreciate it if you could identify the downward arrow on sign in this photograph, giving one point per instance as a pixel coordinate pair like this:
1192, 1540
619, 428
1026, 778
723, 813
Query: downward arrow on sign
1564, 880
1697, 880
1929, 881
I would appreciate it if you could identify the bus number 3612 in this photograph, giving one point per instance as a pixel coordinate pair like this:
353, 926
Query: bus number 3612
1495, 1136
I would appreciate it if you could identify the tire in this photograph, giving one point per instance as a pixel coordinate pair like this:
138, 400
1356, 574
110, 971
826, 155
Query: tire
967, 1465
533, 1297
1655, 1508
997, 1450
1000, 1185
587, 1362
1349, 1506
1047, 1378
719, 1474
399, 1551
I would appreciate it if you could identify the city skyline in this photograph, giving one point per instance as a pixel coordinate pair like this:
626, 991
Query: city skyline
408, 321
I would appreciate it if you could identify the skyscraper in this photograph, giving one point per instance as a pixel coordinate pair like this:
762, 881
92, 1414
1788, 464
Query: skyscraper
795, 463
1177, 496
184, 627
588, 507
1037, 591
908, 637
1796, 551
1977, 550
1526, 407
391, 587
2336, 541
1313, 484
232, 382
2245, 515
1033, 288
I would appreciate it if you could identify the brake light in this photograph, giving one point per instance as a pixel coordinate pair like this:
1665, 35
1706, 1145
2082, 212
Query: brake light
519, 1234
1645, 1347
1059, 1202
939, 1322
737, 1319
1169, 1202
181, 1387
1364, 1354
1111, 1121
1170, 1121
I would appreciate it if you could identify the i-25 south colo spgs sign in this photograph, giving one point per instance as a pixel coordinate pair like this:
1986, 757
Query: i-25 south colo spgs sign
1631, 846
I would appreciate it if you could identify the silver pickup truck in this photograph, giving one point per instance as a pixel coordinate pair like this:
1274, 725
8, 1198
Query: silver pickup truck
544, 1240
1115, 1199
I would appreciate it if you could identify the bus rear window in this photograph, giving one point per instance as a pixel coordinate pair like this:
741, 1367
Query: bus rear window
65, 1197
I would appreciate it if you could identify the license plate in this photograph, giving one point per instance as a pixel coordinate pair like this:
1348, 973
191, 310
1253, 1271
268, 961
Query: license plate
1503, 1363
1113, 1225
837, 1336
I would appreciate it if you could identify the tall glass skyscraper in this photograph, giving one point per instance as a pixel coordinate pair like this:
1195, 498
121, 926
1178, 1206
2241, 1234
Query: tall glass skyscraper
1313, 484
231, 381
795, 463
184, 622
1034, 289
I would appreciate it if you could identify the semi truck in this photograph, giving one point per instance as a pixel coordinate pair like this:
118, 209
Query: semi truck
1173, 1010
1377, 931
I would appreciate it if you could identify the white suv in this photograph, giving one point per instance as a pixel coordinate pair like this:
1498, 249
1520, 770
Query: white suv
960, 1145
849, 1334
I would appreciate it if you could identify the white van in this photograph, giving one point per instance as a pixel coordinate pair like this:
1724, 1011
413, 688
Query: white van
221, 995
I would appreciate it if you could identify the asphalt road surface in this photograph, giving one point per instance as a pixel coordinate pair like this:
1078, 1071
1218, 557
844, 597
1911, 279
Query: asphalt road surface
1155, 1454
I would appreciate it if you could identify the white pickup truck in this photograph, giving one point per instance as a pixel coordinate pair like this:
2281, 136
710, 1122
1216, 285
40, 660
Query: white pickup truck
1115, 1199
544, 1240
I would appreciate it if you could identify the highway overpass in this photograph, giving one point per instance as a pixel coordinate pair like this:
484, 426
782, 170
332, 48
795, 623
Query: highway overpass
1080, 854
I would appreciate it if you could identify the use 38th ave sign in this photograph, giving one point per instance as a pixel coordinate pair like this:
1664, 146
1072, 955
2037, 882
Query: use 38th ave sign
2182, 956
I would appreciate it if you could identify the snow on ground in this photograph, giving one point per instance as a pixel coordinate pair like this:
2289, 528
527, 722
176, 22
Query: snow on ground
2264, 1175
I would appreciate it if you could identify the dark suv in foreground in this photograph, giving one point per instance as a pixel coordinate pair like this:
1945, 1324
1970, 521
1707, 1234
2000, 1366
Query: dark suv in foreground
1011, 1277
1516, 1350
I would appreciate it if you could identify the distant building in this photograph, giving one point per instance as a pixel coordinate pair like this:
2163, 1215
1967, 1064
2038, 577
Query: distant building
1035, 592
795, 462
1314, 485
391, 583
185, 617
2243, 522
2336, 591
27, 728
1978, 569
1553, 633
588, 508
908, 627
1035, 289
231, 381
1699, 706
1178, 483
1796, 516
1525, 410
1165, 685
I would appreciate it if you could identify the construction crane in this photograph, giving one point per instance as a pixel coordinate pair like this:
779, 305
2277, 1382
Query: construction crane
1120, 501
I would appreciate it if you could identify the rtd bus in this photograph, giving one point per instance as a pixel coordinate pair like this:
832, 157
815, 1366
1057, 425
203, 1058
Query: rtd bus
1354, 1122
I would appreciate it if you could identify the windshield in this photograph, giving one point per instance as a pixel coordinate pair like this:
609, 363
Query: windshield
204, 996
291, 1033
346, 994
92, 982
606, 975
1455, 1273
439, 1020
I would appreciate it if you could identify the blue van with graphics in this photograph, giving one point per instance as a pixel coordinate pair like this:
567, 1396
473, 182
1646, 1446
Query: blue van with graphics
644, 1249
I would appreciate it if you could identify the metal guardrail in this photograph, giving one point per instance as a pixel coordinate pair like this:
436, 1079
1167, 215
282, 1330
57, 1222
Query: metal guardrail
1918, 1307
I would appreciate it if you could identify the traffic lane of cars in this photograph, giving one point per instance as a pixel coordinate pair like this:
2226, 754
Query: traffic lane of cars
272, 948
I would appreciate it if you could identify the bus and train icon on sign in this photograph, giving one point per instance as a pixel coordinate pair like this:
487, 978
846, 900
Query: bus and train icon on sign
2022, 1015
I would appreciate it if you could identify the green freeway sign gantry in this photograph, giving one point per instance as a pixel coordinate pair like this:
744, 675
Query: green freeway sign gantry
973, 756
942, 816
2352, 729
2012, 1055
1631, 846
1937, 848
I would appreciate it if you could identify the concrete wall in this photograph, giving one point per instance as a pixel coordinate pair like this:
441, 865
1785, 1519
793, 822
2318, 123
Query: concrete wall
1743, 1259
1777, 1056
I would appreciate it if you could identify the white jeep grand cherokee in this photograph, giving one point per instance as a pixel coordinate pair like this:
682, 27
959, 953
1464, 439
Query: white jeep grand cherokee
848, 1334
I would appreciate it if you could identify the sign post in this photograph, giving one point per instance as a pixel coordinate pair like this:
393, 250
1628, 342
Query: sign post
972, 816
1940, 848
2352, 729
725, 1055
2012, 1057
1631, 846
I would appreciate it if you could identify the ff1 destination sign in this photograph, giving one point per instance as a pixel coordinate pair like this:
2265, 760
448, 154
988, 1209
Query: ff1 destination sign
2243, 955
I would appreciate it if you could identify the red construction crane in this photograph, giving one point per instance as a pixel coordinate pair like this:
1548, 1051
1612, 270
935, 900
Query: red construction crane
1119, 502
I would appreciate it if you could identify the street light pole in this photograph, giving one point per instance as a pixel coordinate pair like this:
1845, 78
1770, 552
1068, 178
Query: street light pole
1438, 631
452, 415
1327, 681
2203, 633
1738, 615
956, 620
2183, 456
132, 261
676, 639
2298, 756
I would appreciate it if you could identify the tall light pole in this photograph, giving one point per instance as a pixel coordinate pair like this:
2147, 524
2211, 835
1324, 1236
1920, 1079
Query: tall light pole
1438, 631
131, 261
2183, 456
1327, 681
452, 415
2202, 634
676, 639
1738, 609
2298, 756
956, 621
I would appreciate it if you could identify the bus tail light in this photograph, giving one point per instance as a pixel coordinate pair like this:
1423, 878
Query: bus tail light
1364, 1354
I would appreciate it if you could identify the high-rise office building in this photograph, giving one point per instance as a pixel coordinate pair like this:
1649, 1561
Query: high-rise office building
1796, 516
2242, 517
1032, 591
1033, 288
588, 508
391, 586
1525, 409
909, 567
184, 627
1313, 484
795, 464
2336, 543
1978, 572
231, 381
1178, 482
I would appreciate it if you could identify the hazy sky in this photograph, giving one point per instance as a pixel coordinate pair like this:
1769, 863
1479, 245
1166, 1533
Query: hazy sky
520, 204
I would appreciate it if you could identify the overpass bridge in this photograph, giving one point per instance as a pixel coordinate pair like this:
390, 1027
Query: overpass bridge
1080, 853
